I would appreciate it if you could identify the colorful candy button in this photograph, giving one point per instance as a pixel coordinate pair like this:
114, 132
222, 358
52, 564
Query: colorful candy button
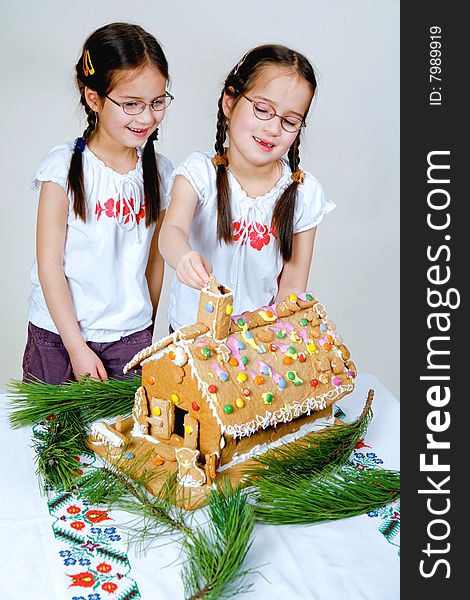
336, 380
223, 376
246, 392
309, 297
212, 389
240, 322
171, 355
303, 321
194, 405
233, 362
241, 377
228, 409
326, 347
209, 307
273, 347
267, 397
206, 352
150, 380
188, 429
293, 298
259, 380
229, 309
129, 455
287, 360
240, 402
175, 398
245, 360
281, 334
302, 358
156, 411
323, 327
314, 382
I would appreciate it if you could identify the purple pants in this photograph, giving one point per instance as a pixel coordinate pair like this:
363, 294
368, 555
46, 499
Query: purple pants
46, 358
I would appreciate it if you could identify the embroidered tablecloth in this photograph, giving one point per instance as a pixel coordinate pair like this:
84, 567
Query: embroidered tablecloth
61, 548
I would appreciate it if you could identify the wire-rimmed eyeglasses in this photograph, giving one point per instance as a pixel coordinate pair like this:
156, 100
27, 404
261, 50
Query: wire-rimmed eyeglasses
135, 107
265, 112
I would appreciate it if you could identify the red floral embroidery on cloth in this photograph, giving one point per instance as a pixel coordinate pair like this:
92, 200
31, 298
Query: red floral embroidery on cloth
258, 234
112, 208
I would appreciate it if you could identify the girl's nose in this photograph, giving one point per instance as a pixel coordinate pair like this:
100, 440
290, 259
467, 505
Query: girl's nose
273, 126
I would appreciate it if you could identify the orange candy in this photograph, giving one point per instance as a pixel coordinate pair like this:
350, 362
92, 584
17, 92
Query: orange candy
233, 361
159, 462
326, 347
287, 360
151, 380
259, 380
330, 339
171, 355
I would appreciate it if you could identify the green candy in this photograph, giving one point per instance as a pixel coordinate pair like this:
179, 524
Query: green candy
228, 408
245, 360
303, 321
291, 375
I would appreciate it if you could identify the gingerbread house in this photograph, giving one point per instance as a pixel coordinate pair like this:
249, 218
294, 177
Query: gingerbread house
216, 392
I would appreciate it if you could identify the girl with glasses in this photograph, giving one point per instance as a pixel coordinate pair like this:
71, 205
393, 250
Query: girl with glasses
247, 212
98, 273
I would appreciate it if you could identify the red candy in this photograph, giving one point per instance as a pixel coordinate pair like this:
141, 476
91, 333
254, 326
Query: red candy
212, 389
195, 406
314, 382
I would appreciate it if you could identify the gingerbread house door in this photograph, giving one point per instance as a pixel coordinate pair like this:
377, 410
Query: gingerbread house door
161, 418
191, 431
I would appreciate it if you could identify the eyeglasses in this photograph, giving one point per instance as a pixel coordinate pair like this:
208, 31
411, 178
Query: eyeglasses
135, 107
265, 112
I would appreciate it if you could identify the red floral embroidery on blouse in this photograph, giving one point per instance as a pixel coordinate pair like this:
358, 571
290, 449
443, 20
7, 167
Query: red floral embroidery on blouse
112, 208
258, 234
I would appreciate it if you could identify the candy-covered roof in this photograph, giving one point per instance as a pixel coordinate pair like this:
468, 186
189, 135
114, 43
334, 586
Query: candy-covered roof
277, 363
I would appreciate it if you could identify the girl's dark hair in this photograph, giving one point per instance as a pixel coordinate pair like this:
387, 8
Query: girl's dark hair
109, 50
239, 81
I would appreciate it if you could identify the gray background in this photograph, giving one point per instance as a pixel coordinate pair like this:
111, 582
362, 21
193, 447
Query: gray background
351, 143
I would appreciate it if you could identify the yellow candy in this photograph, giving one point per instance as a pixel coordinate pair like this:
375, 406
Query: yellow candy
229, 309
311, 348
293, 297
188, 429
241, 377
156, 411
175, 398
240, 403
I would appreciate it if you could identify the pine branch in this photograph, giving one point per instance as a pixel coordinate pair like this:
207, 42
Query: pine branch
335, 493
118, 487
315, 452
215, 557
33, 401
57, 448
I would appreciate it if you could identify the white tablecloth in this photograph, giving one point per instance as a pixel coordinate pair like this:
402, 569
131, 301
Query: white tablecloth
351, 559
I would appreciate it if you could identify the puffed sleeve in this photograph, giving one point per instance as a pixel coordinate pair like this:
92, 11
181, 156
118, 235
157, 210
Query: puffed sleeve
200, 172
165, 169
54, 167
312, 204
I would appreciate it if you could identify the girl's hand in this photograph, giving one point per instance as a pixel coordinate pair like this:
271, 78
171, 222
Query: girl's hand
86, 362
193, 269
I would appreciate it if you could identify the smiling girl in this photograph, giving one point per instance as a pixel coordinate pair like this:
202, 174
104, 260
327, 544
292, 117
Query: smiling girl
98, 273
246, 213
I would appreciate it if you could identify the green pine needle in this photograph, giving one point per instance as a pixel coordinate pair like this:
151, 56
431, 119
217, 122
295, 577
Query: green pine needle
331, 446
57, 448
335, 493
34, 401
214, 567
118, 487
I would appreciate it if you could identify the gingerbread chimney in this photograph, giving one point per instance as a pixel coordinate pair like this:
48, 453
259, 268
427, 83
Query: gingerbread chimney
215, 308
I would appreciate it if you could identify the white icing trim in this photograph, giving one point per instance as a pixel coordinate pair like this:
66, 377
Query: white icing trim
148, 351
101, 432
283, 415
306, 428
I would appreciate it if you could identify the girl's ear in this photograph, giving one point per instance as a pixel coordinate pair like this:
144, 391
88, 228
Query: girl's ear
92, 99
227, 104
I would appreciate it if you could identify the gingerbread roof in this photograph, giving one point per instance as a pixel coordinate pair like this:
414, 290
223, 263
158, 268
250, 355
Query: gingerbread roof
276, 364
